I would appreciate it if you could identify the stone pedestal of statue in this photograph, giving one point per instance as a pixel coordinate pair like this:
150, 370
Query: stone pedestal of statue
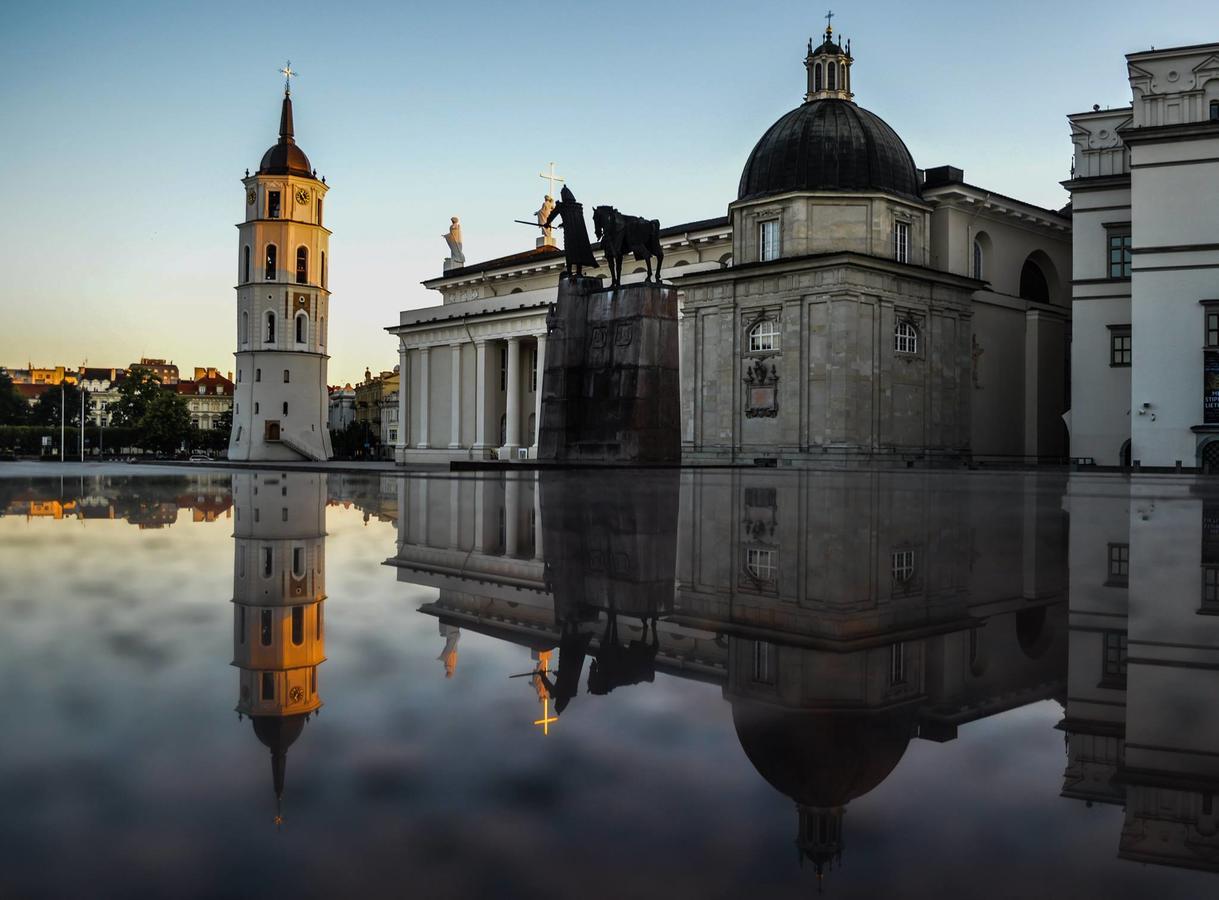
610, 390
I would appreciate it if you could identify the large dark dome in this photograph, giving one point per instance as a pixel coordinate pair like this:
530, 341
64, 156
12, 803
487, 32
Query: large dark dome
822, 759
285, 158
829, 145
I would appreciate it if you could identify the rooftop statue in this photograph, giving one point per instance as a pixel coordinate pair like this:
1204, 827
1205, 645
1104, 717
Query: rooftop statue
453, 238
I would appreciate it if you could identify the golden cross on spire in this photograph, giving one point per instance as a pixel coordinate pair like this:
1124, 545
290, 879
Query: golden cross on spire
547, 719
288, 74
829, 21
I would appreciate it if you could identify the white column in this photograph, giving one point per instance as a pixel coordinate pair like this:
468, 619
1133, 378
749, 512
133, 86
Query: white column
512, 513
425, 364
512, 437
482, 390
537, 400
537, 515
404, 423
455, 513
455, 428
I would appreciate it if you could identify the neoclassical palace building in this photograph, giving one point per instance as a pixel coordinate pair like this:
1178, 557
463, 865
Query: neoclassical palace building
849, 306
1145, 359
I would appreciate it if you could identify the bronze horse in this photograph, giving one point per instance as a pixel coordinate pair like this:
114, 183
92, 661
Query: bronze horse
619, 234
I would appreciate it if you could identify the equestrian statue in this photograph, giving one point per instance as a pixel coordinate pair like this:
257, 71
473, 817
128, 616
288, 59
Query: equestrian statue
619, 234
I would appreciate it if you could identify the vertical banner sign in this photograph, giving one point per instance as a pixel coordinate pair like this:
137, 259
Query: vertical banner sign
1210, 387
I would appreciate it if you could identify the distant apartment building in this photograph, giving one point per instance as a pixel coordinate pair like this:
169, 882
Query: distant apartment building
371, 406
342, 407
209, 397
167, 372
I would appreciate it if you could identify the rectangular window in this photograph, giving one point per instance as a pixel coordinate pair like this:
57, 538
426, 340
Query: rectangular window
264, 628
1119, 565
1119, 251
763, 663
901, 241
1121, 347
768, 240
1212, 330
268, 558
1210, 590
902, 569
1114, 672
273, 204
760, 564
897, 664
298, 625
764, 498
268, 685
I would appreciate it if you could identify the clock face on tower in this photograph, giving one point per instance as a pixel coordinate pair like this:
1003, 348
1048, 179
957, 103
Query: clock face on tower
297, 694
250, 197
302, 196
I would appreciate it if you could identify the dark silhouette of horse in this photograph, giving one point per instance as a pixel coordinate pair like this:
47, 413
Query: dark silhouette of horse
619, 234
618, 666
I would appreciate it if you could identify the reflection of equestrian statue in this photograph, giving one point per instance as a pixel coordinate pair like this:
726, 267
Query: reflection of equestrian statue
618, 666
619, 234
576, 248
573, 646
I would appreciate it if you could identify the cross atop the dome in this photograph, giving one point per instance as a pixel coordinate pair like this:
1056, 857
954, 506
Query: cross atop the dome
829, 22
288, 74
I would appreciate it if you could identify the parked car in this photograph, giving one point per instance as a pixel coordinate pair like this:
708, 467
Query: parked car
200, 458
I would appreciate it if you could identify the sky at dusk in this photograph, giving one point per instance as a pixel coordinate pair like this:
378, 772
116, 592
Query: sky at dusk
128, 125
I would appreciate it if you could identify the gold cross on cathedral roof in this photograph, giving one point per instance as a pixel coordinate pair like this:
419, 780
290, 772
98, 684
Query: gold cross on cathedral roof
547, 719
829, 21
288, 73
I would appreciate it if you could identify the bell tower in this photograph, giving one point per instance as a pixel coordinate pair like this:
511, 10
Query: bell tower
279, 592
280, 399
829, 69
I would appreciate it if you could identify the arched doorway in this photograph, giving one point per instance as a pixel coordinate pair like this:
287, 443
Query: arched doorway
1208, 458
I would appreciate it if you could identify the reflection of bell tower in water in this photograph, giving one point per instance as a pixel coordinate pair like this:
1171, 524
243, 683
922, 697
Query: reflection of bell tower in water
279, 585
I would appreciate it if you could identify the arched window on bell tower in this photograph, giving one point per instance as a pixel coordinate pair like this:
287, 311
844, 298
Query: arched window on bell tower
302, 327
817, 77
245, 263
302, 265
270, 332
831, 82
271, 265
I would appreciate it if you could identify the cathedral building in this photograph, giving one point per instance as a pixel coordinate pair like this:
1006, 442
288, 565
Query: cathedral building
850, 306
1145, 355
281, 402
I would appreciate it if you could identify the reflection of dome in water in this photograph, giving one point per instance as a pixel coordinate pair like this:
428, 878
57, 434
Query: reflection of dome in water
277, 734
822, 759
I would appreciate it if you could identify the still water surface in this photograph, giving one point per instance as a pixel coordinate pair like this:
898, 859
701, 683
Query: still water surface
706, 684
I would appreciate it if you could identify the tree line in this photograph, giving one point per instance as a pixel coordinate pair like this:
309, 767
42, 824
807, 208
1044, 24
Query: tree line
146, 416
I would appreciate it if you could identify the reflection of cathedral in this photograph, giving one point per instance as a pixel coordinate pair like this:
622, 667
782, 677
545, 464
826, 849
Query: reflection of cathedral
843, 614
279, 589
1141, 719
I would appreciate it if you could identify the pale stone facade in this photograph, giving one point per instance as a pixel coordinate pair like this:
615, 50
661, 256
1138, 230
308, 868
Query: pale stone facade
1145, 254
859, 321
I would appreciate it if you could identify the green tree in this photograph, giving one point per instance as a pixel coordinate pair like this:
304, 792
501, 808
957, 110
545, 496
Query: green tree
165, 425
136, 393
13, 408
61, 400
